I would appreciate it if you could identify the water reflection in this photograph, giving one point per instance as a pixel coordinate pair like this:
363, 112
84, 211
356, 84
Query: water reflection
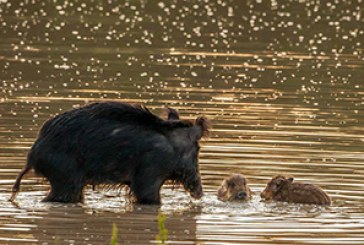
92, 224
191, 223
137, 226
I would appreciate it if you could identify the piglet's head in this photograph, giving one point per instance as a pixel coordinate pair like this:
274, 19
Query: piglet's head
275, 186
234, 188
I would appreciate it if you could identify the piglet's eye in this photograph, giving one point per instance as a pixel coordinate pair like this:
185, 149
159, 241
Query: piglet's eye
232, 185
278, 183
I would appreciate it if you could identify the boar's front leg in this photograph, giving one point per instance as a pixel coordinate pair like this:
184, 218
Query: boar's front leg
146, 189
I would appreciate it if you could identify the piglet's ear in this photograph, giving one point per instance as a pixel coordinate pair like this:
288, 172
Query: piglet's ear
279, 181
172, 114
222, 191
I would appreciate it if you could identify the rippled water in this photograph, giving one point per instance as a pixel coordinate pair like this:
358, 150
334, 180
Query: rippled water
281, 81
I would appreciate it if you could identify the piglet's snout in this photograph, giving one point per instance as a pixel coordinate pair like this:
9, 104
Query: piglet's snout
241, 195
263, 195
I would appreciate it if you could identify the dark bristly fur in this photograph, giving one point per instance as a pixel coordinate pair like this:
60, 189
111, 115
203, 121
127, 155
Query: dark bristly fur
283, 189
234, 188
172, 114
115, 143
205, 124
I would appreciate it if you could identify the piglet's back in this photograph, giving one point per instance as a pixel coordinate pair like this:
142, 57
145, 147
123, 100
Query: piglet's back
307, 193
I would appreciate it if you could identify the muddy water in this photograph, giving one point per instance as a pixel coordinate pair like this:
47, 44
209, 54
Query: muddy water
282, 82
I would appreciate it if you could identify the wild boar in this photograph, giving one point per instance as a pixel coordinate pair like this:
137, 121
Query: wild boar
116, 143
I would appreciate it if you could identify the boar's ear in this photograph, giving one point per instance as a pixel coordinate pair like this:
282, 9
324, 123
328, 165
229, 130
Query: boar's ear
200, 129
204, 126
172, 114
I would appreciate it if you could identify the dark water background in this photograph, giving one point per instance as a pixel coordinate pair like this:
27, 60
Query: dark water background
281, 81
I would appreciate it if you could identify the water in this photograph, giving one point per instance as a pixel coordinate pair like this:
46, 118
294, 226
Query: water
280, 81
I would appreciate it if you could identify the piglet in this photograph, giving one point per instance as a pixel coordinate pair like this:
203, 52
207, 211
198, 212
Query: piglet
281, 188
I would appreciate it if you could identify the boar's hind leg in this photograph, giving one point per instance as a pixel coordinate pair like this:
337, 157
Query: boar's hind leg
68, 192
64, 176
147, 190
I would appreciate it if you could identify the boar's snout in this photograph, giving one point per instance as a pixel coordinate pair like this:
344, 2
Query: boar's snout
194, 186
198, 193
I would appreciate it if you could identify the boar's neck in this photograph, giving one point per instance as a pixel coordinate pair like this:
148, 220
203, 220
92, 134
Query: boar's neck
183, 174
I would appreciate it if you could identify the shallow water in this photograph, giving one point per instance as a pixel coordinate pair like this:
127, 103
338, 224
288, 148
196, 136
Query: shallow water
281, 83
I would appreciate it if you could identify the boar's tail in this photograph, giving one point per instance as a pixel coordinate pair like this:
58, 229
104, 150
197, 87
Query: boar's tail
16, 186
205, 125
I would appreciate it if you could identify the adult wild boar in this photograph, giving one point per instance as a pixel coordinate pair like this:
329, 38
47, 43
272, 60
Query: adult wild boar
116, 143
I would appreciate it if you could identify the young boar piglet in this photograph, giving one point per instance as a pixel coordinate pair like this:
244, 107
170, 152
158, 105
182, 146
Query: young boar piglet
283, 189
234, 188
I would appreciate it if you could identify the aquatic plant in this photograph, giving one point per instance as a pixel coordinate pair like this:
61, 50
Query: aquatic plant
162, 235
114, 235
57, 240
